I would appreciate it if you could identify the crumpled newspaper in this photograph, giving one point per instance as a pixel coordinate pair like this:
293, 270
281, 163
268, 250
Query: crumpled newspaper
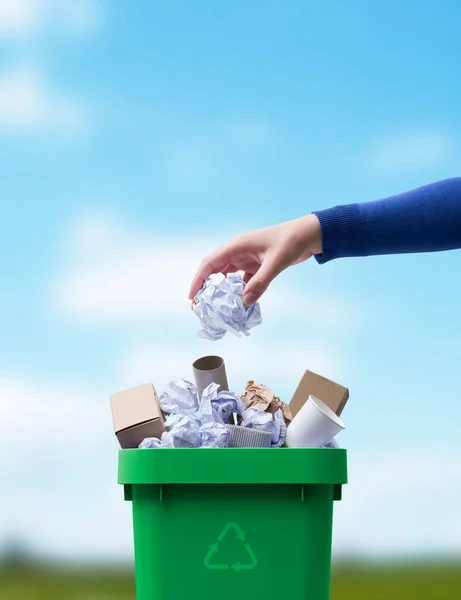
260, 396
183, 432
255, 418
180, 396
220, 308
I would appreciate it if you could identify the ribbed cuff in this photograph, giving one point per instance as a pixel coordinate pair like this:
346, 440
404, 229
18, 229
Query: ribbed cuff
343, 233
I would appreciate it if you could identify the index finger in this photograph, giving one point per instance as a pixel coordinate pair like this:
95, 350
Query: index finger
211, 264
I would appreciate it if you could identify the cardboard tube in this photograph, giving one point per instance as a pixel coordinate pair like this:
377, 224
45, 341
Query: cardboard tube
210, 369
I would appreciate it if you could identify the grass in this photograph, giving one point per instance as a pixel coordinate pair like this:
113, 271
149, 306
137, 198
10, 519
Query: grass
423, 582
60, 584
409, 582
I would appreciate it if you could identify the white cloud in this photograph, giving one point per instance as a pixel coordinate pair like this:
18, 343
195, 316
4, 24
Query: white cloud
126, 278
59, 453
420, 148
28, 103
50, 417
392, 504
118, 276
50, 435
21, 19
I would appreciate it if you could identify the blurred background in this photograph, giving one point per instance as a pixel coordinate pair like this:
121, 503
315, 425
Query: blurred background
137, 136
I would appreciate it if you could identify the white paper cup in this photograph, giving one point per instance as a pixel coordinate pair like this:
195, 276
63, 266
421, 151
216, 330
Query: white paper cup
313, 426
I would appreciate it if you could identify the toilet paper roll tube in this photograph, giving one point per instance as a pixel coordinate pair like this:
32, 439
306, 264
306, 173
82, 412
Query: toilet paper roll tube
209, 369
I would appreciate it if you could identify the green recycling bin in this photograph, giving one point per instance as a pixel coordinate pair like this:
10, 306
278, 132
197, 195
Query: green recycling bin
232, 524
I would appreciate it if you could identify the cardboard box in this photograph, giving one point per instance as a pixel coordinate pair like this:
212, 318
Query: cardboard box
332, 394
136, 414
133, 436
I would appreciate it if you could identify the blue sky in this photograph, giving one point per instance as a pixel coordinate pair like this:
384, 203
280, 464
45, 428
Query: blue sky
136, 137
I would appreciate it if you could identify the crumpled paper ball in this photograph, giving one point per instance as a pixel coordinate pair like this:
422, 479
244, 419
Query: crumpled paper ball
193, 425
180, 396
150, 443
256, 418
207, 412
214, 435
220, 308
183, 432
224, 403
331, 444
213, 431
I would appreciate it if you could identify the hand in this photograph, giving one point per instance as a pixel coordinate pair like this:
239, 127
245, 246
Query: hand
262, 255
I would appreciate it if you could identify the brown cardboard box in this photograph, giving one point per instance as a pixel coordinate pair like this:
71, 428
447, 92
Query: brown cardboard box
332, 394
136, 412
133, 436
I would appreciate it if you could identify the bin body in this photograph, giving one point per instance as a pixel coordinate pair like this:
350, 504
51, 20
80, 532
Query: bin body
234, 524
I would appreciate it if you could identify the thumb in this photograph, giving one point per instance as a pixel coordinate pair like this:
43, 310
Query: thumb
261, 280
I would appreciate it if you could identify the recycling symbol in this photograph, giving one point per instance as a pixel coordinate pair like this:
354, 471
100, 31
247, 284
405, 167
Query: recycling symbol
212, 561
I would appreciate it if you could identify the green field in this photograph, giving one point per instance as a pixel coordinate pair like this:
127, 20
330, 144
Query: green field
424, 582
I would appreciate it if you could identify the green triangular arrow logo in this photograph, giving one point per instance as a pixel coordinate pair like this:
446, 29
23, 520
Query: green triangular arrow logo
212, 561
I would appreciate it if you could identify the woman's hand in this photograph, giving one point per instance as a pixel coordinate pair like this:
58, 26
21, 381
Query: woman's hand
262, 255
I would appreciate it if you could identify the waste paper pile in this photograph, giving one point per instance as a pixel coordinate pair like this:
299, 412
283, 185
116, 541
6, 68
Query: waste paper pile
181, 417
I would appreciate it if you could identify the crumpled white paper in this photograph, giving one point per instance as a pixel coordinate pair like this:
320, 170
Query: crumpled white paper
179, 397
150, 443
220, 308
223, 403
214, 435
183, 432
255, 418
191, 425
213, 431
331, 444
226, 404
207, 412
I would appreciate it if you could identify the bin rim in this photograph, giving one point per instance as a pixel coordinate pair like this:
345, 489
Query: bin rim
232, 466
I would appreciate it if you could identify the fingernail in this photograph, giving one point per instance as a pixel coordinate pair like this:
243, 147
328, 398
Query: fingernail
249, 299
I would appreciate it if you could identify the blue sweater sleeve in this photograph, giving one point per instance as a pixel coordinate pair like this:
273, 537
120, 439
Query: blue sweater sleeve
427, 219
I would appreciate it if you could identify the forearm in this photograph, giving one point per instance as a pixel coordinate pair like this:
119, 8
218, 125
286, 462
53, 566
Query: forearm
427, 219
